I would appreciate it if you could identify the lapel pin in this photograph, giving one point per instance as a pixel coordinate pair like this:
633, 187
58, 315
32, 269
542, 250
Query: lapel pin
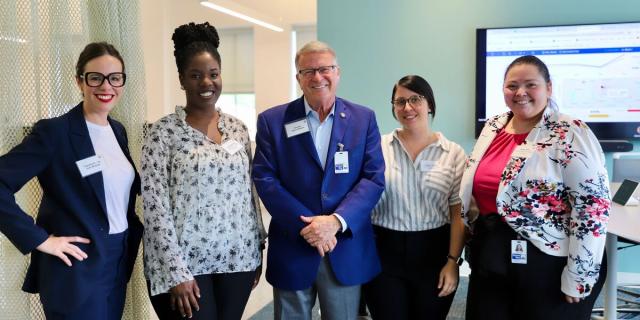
342, 115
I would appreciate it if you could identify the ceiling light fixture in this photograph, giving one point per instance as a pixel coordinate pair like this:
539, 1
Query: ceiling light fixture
240, 15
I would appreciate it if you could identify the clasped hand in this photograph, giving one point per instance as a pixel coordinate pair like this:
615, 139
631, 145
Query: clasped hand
320, 232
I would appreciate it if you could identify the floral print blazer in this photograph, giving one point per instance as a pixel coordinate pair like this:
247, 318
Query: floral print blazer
553, 192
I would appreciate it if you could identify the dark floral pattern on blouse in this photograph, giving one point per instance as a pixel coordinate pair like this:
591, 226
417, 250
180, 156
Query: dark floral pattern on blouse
201, 212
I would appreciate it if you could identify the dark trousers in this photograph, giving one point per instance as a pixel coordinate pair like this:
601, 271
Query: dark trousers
107, 301
499, 289
223, 296
407, 288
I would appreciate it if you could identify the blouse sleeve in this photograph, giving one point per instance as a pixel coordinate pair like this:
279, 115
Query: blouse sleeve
165, 266
587, 186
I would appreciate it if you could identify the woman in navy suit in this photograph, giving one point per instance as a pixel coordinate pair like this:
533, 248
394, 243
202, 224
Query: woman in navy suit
85, 240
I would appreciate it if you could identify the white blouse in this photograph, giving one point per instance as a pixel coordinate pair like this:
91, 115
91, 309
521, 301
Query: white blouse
201, 213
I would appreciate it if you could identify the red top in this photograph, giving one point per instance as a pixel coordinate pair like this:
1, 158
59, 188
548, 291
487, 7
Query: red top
487, 178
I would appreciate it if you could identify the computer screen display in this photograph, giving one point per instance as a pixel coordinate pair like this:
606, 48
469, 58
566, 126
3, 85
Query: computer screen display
595, 72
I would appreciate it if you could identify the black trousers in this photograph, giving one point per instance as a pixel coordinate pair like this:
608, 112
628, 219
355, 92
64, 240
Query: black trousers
499, 289
407, 288
223, 297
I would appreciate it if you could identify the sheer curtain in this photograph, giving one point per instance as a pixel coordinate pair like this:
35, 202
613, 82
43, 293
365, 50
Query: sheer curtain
40, 41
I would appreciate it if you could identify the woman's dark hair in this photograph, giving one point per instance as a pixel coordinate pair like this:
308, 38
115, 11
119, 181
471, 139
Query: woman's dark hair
418, 85
191, 39
94, 50
534, 61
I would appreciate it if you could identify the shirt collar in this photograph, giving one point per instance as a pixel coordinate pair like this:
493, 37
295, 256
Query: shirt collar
442, 142
310, 112
182, 115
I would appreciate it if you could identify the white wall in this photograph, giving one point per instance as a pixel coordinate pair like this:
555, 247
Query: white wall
272, 67
272, 56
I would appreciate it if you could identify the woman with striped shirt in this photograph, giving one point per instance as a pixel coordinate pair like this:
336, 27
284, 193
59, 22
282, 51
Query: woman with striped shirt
417, 222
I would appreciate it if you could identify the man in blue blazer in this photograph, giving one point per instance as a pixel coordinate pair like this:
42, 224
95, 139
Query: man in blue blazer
319, 171
73, 209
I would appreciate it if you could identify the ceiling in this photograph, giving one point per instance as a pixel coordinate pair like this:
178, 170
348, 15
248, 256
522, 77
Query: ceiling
283, 13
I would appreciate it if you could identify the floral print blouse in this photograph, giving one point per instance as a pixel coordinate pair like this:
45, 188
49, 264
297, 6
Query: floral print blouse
201, 213
553, 192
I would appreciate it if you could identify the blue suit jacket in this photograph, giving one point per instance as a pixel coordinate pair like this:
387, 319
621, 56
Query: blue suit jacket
291, 182
71, 206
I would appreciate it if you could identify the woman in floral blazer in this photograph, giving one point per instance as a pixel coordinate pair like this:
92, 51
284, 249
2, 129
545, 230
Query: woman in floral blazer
540, 182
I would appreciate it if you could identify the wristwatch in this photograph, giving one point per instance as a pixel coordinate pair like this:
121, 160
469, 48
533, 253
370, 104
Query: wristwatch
457, 260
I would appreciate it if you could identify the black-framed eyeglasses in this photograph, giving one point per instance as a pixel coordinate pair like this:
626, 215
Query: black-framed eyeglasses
324, 70
96, 79
414, 101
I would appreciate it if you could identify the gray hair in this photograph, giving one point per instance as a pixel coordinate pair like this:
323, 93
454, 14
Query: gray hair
313, 47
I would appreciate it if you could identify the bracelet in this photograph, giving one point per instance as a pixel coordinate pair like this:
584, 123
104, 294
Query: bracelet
457, 260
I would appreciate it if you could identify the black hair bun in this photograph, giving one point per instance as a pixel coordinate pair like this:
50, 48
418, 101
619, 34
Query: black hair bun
191, 32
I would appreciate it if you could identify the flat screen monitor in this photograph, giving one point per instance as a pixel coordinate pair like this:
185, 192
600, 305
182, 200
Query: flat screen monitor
595, 71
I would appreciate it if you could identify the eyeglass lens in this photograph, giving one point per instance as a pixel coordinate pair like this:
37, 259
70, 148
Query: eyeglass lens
401, 102
95, 79
312, 71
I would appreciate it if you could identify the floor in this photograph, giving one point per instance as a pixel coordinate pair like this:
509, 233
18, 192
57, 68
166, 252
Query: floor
260, 306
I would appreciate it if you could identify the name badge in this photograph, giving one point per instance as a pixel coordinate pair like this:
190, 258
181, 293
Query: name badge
232, 146
522, 151
341, 160
426, 165
296, 127
90, 165
519, 251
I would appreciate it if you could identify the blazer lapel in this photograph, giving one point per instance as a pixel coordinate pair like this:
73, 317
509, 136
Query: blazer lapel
81, 144
295, 111
340, 123
489, 132
523, 152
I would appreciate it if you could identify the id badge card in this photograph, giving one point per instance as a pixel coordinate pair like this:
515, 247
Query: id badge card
341, 160
296, 127
519, 251
232, 146
90, 165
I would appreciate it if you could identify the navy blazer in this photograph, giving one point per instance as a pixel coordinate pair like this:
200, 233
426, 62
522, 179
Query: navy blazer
71, 206
291, 182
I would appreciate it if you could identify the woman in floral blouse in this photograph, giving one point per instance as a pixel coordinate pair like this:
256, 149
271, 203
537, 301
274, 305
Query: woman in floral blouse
203, 229
539, 180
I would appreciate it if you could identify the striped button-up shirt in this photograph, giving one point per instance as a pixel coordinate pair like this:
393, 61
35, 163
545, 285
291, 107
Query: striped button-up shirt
418, 193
